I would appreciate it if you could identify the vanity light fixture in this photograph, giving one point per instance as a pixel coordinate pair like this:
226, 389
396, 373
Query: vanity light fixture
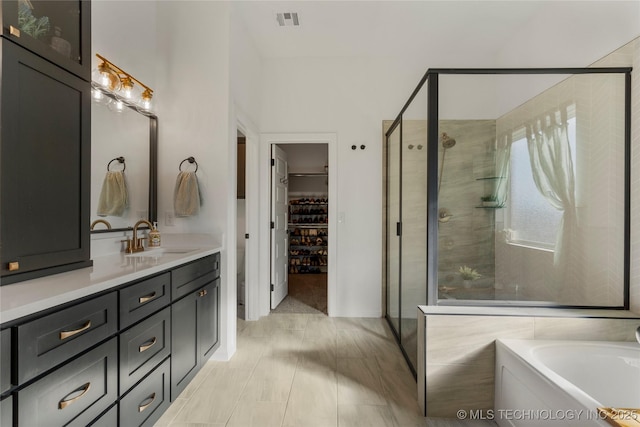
117, 106
110, 79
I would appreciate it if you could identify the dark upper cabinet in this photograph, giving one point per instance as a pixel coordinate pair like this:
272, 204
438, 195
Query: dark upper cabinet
59, 31
45, 162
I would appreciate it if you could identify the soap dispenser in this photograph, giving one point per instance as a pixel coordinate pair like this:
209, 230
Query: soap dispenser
154, 236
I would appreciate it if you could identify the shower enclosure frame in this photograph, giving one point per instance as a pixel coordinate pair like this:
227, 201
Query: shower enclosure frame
431, 80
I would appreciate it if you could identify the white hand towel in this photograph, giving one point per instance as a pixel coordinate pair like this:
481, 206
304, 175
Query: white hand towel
113, 197
186, 196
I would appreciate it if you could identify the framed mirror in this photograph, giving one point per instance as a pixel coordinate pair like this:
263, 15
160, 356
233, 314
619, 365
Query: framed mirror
123, 146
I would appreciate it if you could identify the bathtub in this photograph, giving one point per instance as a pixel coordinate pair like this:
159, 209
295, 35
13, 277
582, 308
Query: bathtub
562, 383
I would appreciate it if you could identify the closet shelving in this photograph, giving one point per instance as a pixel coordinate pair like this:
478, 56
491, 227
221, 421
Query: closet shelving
308, 232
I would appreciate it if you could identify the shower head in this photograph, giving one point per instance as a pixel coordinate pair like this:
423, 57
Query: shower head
447, 141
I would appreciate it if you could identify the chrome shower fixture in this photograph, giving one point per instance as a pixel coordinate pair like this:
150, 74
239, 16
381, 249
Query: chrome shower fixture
447, 141
444, 215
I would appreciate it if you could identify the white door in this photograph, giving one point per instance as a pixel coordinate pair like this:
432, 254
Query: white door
279, 217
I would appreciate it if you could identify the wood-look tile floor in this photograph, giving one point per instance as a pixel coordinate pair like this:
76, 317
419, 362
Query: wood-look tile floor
305, 370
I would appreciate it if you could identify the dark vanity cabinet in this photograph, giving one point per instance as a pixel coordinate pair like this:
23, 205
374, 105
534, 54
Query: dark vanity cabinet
5, 360
74, 394
110, 359
196, 315
6, 402
45, 110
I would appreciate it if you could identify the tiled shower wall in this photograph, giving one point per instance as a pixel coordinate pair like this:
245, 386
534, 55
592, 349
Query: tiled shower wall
466, 238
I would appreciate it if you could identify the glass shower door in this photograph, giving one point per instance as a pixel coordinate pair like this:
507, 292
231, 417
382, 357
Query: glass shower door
413, 263
393, 220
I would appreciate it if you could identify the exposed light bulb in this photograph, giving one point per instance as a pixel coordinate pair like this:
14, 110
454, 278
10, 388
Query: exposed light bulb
145, 100
127, 88
106, 77
98, 97
117, 106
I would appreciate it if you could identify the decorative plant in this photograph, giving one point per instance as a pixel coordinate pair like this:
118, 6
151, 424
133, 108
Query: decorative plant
468, 273
35, 27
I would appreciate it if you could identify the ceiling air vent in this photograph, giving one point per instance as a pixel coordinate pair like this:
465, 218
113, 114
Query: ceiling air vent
288, 19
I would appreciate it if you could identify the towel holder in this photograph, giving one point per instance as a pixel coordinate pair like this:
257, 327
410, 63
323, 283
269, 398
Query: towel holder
120, 160
190, 160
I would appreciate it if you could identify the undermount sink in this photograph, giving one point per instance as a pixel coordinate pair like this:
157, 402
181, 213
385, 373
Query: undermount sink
156, 252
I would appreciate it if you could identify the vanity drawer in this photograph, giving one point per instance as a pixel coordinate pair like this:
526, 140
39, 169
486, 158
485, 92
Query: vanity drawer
52, 339
74, 394
108, 419
192, 276
143, 346
144, 405
140, 300
5, 360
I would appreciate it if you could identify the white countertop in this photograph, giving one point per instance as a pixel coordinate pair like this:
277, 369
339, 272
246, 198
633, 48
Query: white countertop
31, 296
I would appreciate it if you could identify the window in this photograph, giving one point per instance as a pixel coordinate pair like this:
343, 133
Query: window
532, 220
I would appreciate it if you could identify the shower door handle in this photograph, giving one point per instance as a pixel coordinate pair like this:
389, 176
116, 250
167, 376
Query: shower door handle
398, 229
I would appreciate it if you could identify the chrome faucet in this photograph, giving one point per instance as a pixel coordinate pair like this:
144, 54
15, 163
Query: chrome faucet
638, 334
135, 244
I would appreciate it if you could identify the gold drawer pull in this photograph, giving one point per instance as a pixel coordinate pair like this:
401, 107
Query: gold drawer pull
145, 346
14, 266
146, 298
14, 31
143, 407
66, 334
64, 403
203, 292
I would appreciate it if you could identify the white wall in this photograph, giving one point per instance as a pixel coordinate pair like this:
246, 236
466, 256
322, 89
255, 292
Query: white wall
246, 96
194, 110
350, 97
124, 32
246, 70
549, 39
117, 35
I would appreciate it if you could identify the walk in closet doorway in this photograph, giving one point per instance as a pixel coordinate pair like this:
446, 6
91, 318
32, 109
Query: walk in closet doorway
306, 228
309, 224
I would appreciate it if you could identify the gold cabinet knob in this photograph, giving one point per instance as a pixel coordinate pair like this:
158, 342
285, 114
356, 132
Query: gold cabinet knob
14, 266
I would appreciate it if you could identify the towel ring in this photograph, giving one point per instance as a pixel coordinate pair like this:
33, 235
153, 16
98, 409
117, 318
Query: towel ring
120, 160
190, 160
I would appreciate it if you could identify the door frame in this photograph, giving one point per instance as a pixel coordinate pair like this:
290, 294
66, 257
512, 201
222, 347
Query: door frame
262, 287
252, 219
